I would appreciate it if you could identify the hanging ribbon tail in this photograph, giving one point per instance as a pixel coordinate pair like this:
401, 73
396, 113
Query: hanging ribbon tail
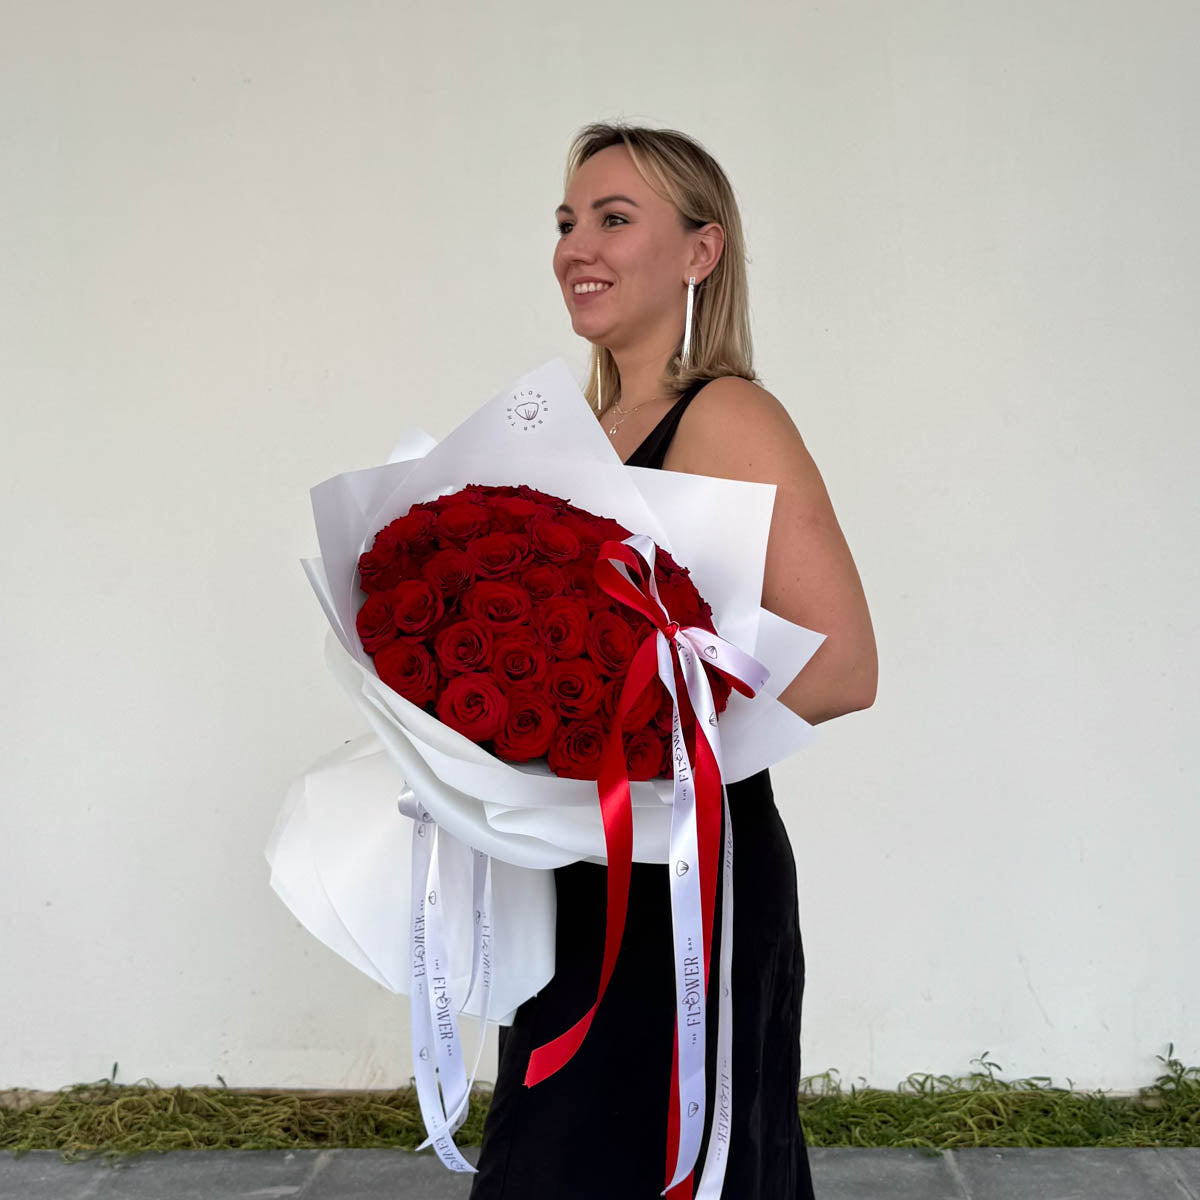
712, 1180
695, 834
699, 804
616, 811
437, 1049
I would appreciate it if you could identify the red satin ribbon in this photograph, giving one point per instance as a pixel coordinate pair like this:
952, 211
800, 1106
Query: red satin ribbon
616, 810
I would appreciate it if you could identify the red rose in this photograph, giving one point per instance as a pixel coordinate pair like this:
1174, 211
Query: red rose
583, 527
413, 532
611, 530
451, 571
529, 493
514, 513
581, 583
574, 688
640, 627
416, 607
664, 716
474, 493
464, 646
591, 529
562, 623
554, 541
682, 601
577, 748
644, 754
543, 581
474, 705
529, 727
502, 604
381, 568
518, 658
407, 669
496, 555
374, 622
644, 709
609, 643
462, 521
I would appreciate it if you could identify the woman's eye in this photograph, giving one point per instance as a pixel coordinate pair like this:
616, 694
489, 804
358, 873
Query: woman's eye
562, 225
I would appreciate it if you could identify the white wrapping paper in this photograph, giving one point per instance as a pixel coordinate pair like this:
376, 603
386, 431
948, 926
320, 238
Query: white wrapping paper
340, 854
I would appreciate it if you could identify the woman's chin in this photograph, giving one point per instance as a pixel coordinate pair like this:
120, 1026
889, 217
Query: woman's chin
587, 326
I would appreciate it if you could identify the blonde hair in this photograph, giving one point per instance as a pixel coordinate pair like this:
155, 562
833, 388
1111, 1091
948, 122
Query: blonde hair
679, 169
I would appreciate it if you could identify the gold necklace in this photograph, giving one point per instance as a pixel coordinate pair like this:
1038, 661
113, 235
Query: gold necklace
624, 414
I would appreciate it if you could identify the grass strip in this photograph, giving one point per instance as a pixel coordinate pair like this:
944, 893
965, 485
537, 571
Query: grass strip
933, 1112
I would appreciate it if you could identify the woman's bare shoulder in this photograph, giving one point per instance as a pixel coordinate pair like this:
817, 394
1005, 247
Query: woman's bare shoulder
736, 429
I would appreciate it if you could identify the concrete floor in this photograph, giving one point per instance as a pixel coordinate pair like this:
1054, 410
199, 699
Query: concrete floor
839, 1174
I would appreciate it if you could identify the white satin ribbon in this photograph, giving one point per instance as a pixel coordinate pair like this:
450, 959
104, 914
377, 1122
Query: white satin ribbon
437, 1049
694, 646
717, 1155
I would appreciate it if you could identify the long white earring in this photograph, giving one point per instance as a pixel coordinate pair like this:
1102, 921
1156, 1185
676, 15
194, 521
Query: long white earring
599, 387
687, 325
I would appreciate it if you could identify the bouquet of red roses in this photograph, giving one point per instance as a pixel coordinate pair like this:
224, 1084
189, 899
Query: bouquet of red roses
548, 684
482, 606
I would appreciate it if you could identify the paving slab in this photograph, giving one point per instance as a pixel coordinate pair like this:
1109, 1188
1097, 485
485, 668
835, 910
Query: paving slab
235, 1174
845, 1173
376, 1175
1068, 1173
838, 1174
1185, 1166
176, 1175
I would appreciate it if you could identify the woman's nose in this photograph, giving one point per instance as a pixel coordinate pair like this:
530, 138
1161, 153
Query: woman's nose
578, 247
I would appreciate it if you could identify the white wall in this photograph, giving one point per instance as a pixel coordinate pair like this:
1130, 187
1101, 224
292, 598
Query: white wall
245, 243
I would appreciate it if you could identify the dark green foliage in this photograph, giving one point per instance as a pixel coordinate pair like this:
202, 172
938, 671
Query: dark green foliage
933, 1112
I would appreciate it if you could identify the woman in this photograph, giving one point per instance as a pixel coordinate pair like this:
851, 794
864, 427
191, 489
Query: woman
649, 249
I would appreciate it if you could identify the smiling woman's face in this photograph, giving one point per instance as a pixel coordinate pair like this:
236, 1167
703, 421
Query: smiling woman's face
614, 228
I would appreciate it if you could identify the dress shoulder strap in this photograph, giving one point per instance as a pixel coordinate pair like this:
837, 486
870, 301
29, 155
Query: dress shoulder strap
653, 449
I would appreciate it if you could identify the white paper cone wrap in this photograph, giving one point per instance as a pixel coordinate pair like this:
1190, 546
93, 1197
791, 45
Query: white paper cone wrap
427, 862
340, 859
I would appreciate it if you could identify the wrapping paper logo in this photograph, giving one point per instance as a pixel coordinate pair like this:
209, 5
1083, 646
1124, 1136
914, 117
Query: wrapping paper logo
528, 410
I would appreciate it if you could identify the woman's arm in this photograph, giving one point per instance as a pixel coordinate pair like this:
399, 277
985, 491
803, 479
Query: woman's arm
735, 429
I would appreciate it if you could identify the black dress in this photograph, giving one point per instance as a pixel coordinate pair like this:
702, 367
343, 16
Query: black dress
597, 1128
